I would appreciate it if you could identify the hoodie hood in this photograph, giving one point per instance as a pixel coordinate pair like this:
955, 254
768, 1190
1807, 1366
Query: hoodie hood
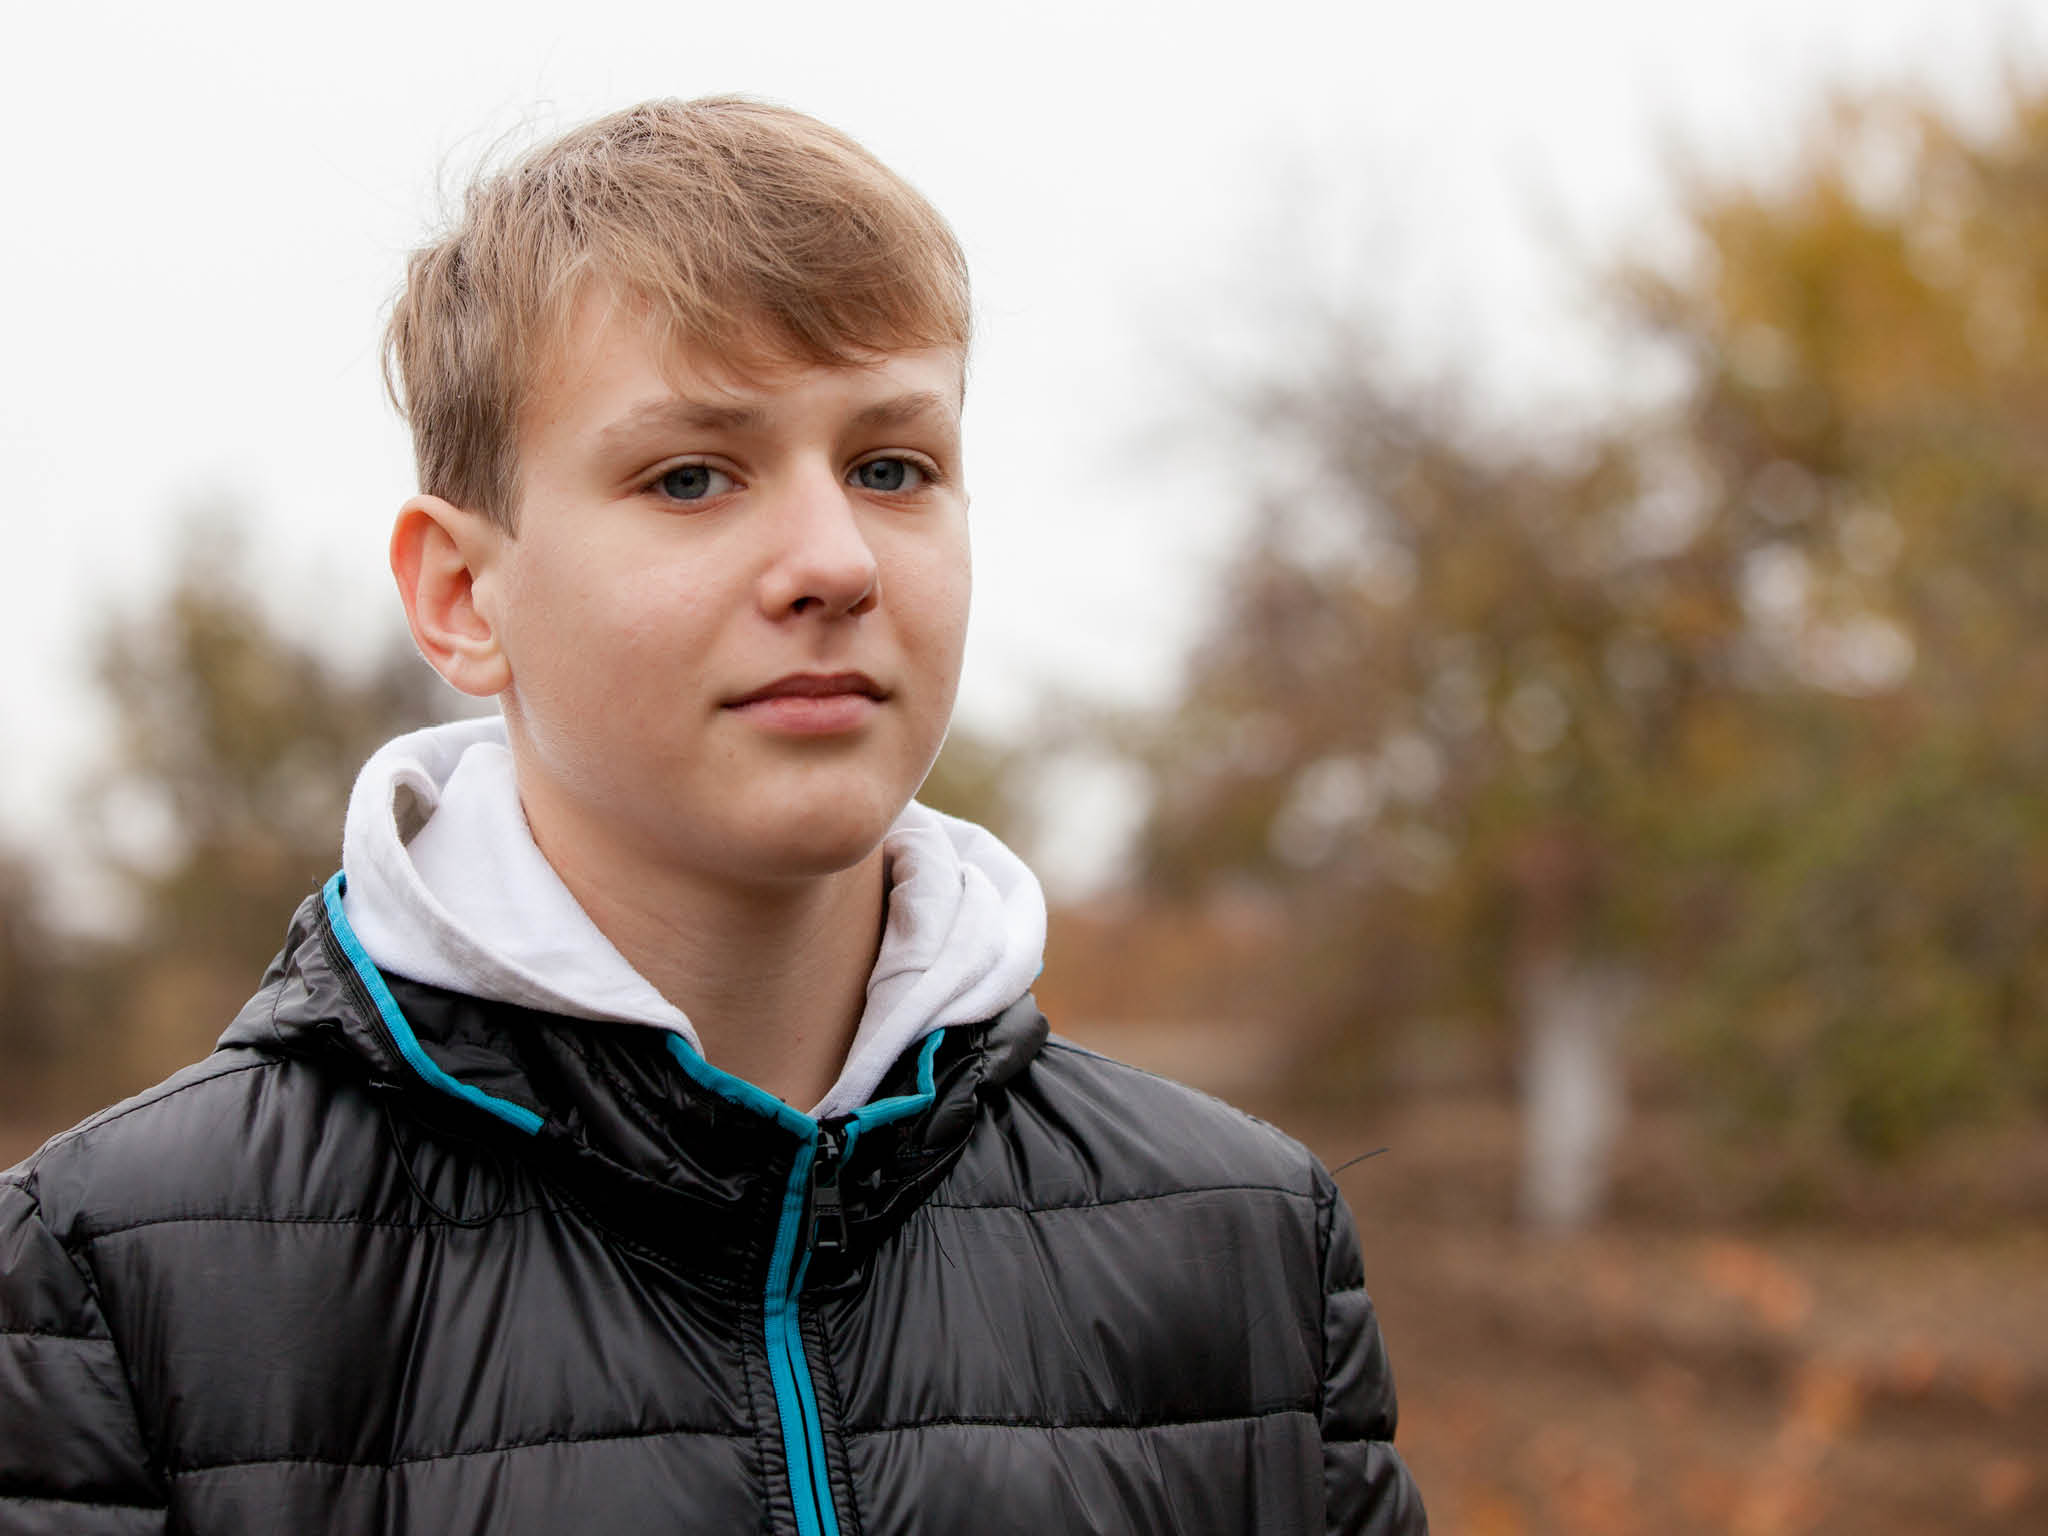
447, 887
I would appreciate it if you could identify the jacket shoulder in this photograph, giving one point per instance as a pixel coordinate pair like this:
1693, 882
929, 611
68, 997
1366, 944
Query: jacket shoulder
1079, 1128
237, 1135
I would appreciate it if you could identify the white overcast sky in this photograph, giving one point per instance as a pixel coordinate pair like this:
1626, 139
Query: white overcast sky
207, 206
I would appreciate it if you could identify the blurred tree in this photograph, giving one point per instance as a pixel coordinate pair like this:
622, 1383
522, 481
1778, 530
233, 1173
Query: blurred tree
1733, 715
239, 742
1871, 405
29, 984
60, 1002
976, 778
1434, 727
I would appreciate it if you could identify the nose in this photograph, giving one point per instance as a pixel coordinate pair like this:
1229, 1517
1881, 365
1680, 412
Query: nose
822, 559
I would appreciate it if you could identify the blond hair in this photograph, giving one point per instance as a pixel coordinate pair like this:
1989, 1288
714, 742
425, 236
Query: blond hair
749, 234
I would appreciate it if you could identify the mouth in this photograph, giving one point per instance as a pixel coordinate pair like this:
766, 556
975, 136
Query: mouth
814, 685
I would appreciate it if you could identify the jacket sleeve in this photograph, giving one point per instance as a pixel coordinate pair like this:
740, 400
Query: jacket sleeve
72, 1456
1367, 1488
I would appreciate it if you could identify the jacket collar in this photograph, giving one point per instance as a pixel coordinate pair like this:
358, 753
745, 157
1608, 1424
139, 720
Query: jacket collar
674, 1158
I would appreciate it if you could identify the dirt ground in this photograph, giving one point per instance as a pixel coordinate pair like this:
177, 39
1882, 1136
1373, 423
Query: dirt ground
1659, 1377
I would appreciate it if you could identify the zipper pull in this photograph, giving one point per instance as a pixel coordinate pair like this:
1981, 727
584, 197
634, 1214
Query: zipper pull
828, 1217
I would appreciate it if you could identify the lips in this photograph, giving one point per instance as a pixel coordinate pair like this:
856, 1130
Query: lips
814, 685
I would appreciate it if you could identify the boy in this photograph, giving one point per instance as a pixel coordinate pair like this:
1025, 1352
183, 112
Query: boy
650, 1128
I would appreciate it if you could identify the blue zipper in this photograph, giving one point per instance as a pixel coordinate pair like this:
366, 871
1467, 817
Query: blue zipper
814, 1186
796, 1399
803, 1434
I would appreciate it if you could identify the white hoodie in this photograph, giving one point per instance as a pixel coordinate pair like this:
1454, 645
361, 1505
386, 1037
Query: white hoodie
446, 886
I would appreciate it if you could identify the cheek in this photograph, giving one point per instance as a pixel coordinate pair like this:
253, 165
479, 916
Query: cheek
934, 585
588, 632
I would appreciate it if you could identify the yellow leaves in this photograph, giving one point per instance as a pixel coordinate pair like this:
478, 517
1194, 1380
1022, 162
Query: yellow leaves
2002, 1482
1776, 1295
1832, 303
1728, 645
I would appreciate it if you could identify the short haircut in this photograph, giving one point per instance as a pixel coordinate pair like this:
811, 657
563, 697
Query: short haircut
749, 234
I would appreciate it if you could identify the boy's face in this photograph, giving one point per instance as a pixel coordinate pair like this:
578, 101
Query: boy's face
733, 613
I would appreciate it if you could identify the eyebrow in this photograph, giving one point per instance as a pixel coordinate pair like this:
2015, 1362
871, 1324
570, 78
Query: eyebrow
697, 416
689, 415
904, 409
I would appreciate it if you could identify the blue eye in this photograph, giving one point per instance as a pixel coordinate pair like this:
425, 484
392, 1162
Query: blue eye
693, 482
887, 475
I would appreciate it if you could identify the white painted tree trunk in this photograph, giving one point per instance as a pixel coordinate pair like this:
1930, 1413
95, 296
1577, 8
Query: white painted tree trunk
1574, 1092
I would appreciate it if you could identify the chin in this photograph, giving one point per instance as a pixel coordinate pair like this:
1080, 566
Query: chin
805, 842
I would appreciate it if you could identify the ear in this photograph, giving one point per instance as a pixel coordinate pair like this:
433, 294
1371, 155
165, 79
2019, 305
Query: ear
439, 552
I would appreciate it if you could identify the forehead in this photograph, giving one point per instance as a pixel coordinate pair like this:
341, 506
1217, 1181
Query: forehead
613, 357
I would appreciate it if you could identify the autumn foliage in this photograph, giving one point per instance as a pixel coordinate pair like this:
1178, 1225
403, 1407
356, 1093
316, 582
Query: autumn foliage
1740, 697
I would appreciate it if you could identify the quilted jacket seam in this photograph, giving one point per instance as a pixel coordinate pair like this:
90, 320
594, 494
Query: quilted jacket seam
199, 1469
1133, 1426
50, 1498
227, 1219
1138, 1199
109, 1117
51, 1333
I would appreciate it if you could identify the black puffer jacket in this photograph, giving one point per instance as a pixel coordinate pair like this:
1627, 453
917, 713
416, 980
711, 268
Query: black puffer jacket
395, 1259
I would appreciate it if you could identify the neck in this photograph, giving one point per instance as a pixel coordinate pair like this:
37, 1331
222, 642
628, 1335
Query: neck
773, 976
